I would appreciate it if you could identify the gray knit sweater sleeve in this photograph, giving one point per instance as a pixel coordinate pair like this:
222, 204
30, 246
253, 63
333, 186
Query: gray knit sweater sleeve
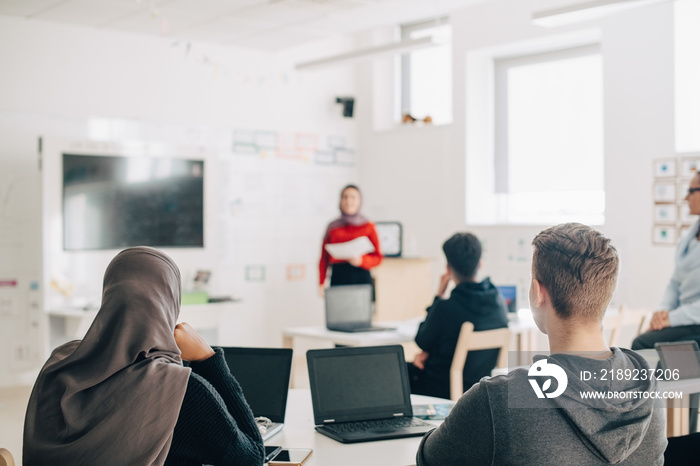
466, 433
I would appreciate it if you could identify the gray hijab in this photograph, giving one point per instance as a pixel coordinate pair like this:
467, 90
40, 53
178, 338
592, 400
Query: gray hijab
114, 397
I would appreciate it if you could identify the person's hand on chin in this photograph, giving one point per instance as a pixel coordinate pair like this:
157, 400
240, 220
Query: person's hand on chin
420, 359
192, 346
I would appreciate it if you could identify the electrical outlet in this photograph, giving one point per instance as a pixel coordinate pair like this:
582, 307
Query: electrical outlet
21, 355
9, 303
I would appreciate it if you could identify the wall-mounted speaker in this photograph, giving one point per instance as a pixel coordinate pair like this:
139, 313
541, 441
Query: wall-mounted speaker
348, 105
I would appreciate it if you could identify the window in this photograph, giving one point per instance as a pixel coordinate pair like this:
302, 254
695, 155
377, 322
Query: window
426, 74
548, 147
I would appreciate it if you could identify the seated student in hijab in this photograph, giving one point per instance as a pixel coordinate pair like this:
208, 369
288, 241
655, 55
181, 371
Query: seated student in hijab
122, 396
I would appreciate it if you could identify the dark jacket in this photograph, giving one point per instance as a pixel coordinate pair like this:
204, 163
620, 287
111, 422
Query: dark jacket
478, 303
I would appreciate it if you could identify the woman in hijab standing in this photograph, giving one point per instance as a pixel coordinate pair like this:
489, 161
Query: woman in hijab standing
122, 396
349, 226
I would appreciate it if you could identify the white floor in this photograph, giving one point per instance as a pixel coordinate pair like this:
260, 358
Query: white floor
13, 404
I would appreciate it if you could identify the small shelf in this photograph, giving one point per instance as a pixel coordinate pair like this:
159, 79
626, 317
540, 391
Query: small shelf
77, 321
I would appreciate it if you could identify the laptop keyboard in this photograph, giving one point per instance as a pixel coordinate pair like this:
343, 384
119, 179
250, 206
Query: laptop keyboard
377, 424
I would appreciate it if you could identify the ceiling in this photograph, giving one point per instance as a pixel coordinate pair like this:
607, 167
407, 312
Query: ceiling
268, 25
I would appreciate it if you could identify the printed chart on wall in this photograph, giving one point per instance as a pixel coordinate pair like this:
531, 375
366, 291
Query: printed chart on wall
670, 210
281, 189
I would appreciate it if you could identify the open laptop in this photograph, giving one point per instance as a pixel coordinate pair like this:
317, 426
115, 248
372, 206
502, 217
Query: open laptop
349, 309
361, 394
509, 294
680, 356
263, 374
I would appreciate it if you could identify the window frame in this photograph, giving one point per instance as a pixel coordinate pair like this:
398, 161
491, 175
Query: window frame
405, 64
501, 66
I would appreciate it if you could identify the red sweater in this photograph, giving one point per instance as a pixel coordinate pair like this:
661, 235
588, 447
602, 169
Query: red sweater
348, 233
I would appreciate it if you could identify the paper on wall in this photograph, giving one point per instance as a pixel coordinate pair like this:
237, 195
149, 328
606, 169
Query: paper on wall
354, 248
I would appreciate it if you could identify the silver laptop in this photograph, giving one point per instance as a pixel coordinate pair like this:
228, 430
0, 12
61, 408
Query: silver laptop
361, 394
678, 360
263, 374
349, 309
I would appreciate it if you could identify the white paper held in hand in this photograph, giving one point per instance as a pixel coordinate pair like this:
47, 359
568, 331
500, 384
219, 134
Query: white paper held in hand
354, 248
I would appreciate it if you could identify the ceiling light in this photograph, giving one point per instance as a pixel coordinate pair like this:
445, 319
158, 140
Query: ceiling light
585, 11
371, 52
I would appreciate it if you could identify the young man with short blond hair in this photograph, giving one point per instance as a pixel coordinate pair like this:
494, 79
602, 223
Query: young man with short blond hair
549, 415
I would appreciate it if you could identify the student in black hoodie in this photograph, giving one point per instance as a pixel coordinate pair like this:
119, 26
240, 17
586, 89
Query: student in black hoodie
470, 301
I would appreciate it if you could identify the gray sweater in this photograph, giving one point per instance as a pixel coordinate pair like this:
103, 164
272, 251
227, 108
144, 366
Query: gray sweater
490, 426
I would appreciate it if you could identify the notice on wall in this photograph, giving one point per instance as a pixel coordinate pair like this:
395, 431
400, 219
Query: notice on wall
255, 273
669, 188
296, 272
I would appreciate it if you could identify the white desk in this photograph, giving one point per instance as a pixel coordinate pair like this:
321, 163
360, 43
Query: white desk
677, 410
299, 432
404, 331
520, 326
199, 316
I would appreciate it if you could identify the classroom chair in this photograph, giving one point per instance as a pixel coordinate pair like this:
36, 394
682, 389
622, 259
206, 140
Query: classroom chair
636, 320
469, 340
6, 458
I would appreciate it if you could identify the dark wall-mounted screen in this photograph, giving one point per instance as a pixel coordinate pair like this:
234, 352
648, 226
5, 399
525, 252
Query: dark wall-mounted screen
113, 202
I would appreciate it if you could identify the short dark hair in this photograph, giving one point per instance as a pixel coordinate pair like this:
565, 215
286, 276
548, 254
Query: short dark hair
578, 266
463, 253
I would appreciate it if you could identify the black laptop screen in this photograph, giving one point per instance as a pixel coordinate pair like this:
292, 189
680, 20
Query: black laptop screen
358, 382
263, 374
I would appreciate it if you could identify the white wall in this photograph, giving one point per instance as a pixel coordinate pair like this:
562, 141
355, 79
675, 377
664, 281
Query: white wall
78, 83
69, 82
418, 173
